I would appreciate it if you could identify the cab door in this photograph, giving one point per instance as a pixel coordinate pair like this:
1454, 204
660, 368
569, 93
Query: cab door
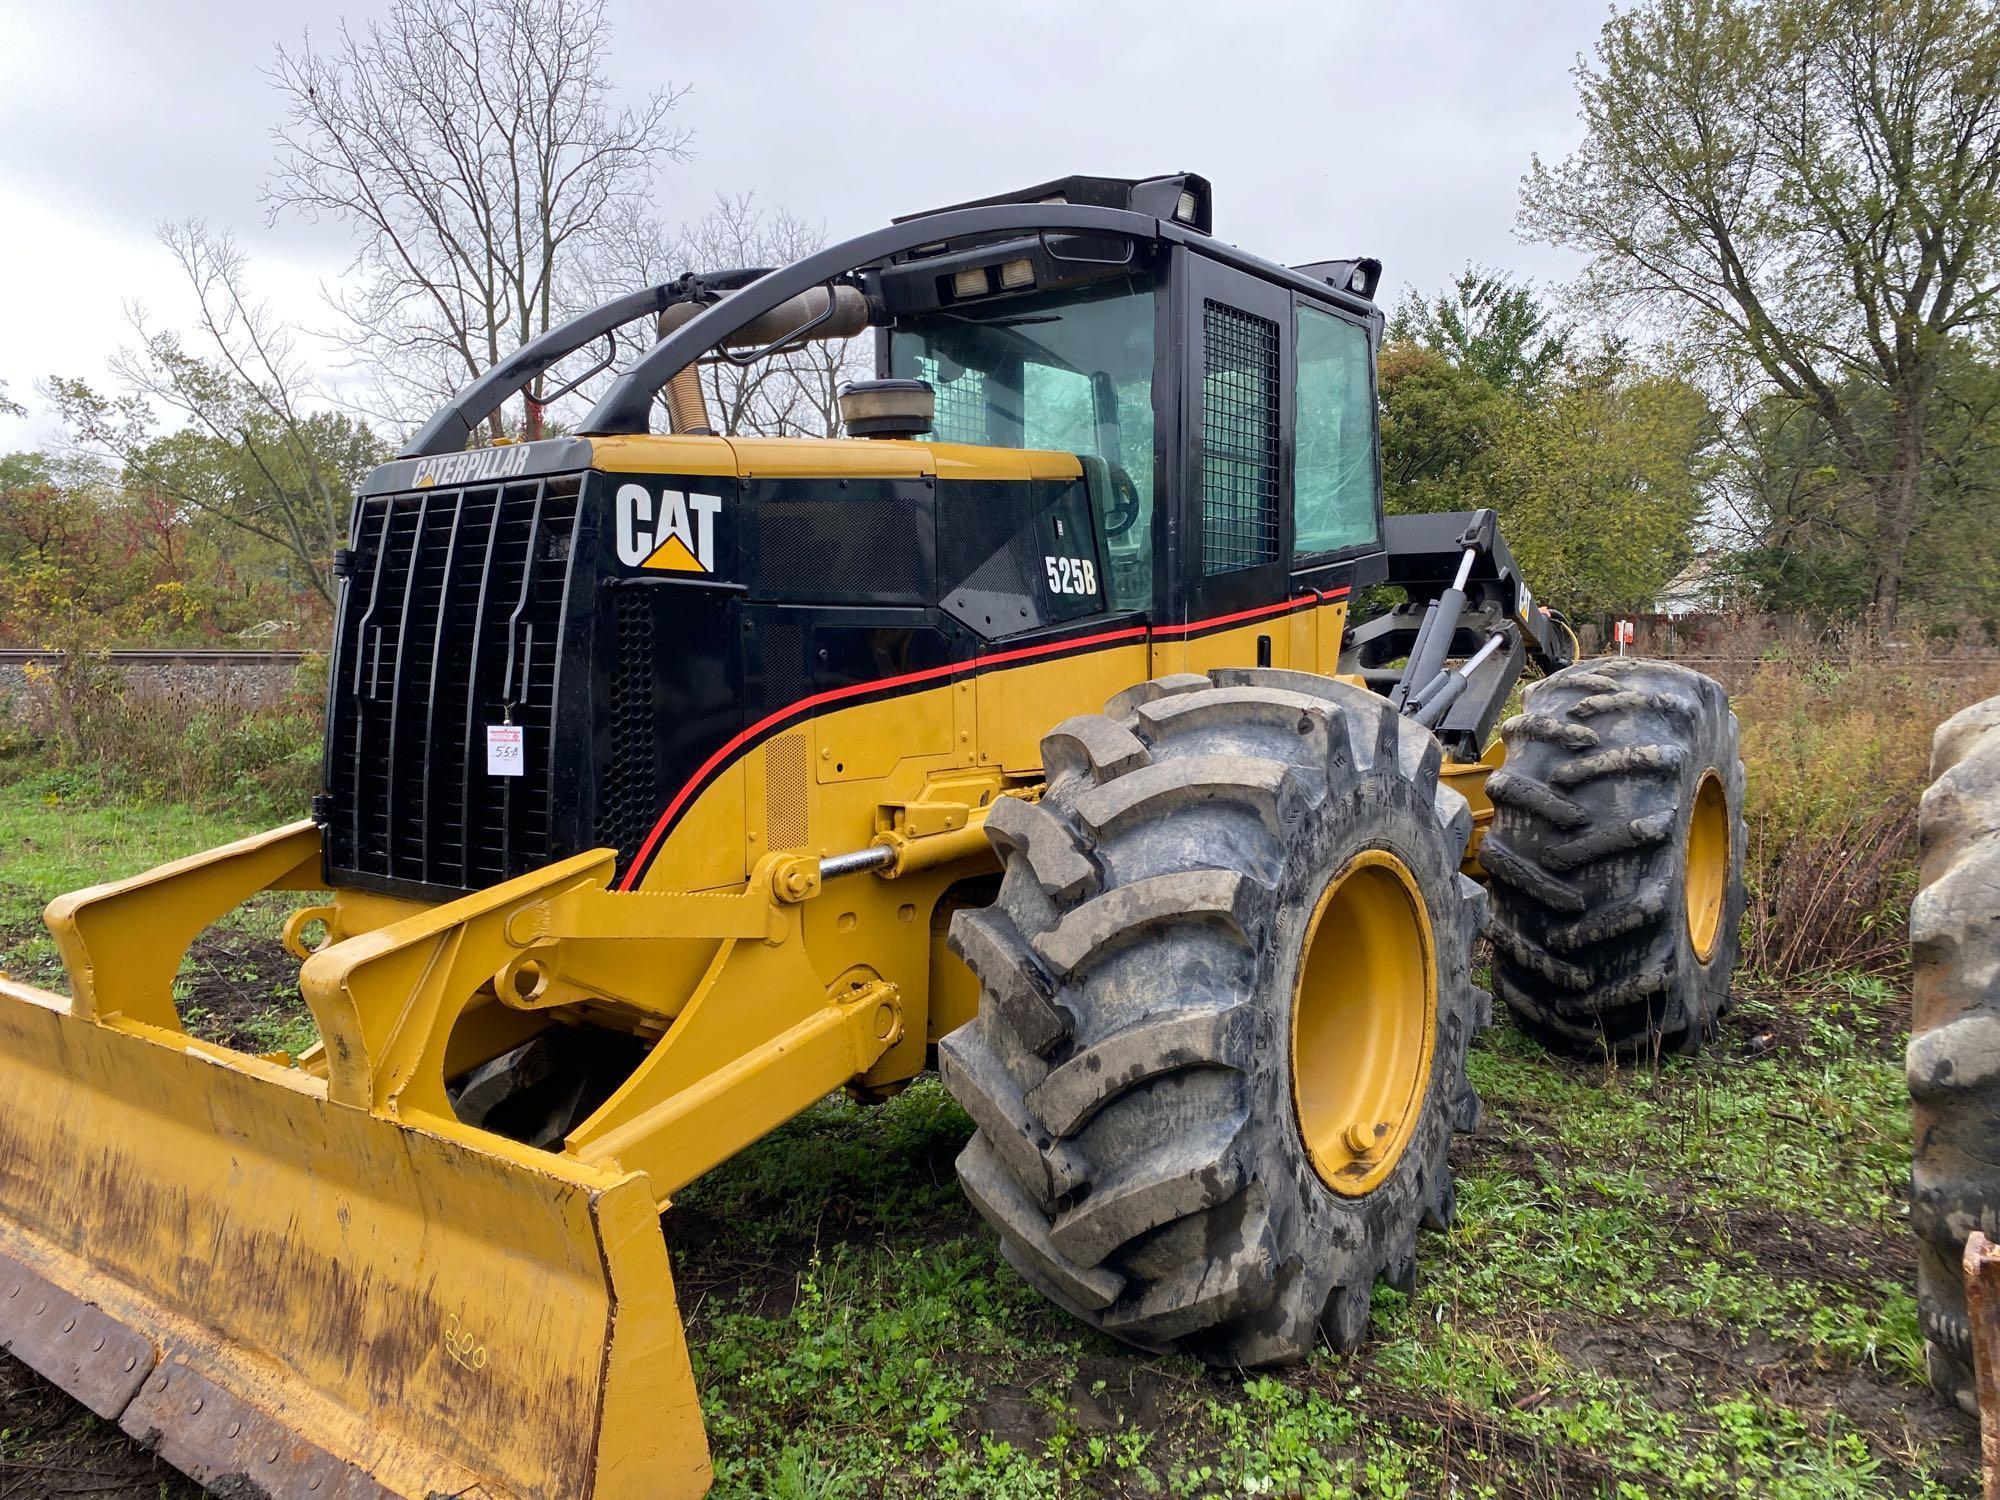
1233, 524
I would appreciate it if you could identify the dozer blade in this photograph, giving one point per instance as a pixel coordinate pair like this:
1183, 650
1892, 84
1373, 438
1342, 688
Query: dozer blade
292, 1296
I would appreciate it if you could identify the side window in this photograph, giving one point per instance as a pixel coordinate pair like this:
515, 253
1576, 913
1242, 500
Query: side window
1239, 439
1334, 477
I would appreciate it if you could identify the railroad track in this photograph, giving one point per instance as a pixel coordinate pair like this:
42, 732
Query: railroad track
18, 656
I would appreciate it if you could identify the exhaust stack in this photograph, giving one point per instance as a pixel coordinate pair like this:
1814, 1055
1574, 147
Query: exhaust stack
838, 312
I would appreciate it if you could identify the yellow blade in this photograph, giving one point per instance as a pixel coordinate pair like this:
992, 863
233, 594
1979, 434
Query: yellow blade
201, 1247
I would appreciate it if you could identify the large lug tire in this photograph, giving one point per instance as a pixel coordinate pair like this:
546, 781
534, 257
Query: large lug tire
1140, 1146
1954, 1058
1615, 858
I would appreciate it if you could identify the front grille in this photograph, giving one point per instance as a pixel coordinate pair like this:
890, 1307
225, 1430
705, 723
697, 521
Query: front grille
451, 622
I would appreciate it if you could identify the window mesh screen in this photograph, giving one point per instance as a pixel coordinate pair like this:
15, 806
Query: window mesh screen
1239, 440
961, 404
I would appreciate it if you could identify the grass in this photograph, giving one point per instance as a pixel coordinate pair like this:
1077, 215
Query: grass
61, 830
1694, 1280
1691, 1281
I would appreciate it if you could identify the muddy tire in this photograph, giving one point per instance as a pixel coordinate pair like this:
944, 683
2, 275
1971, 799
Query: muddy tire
1954, 1058
1140, 1145
1615, 858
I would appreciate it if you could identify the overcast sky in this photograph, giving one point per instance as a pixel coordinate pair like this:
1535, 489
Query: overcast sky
1328, 129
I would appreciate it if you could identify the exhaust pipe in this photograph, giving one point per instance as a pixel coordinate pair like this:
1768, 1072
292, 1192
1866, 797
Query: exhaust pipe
820, 312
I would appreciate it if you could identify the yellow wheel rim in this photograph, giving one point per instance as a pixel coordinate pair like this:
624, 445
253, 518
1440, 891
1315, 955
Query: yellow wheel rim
1707, 864
1364, 1022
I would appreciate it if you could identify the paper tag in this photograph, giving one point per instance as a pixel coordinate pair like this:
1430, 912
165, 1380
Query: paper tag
503, 750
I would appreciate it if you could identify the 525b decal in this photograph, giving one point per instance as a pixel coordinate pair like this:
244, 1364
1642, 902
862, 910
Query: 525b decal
1071, 575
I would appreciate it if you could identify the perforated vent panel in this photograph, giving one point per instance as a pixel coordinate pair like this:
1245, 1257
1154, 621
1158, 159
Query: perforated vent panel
842, 546
786, 787
626, 799
1239, 439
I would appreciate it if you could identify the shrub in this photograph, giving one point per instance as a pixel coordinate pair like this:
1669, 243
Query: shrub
208, 747
1837, 756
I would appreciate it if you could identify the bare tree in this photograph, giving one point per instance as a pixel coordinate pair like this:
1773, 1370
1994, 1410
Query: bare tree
247, 452
791, 394
470, 146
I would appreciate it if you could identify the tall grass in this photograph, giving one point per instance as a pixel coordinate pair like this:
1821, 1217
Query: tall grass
1836, 751
82, 723
1837, 756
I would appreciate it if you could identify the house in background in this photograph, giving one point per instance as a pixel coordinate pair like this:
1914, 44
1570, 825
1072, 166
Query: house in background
1701, 588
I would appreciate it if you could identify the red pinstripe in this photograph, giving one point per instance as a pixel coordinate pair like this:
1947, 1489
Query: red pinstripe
931, 674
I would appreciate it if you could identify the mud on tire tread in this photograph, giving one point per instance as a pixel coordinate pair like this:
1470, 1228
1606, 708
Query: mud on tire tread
1587, 856
1953, 1062
1144, 1166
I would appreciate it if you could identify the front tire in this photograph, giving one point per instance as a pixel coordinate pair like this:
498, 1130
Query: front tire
1225, 1004
1616, 858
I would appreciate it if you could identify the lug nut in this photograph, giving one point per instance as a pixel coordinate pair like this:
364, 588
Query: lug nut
1363, 1140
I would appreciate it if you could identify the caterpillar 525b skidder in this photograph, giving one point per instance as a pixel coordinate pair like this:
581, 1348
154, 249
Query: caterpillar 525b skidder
674, 780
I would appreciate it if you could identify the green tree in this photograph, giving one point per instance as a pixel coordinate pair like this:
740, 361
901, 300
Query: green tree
1807, 517
1439, 425
1809, 191
1601, 481
1487, 325
1798, 521
1600, 467
32, 523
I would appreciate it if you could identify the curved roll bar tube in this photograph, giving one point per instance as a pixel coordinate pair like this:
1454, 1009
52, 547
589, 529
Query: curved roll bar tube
453, 425
627, 406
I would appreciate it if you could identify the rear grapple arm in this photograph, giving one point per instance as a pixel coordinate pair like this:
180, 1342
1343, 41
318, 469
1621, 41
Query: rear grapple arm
1468, 602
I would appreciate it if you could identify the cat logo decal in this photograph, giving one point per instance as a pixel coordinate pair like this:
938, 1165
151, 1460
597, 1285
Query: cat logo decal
672, 534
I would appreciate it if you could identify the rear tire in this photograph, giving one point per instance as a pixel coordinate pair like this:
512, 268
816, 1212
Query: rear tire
1139, 1146
1616, 858
1953, 1062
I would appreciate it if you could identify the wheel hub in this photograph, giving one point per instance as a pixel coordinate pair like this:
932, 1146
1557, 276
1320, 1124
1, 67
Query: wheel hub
1707, 864
1364, 1022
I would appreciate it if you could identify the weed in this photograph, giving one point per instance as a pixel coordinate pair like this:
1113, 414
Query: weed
87, 735
1688, 1280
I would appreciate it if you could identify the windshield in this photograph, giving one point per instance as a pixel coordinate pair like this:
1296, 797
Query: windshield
1071, 372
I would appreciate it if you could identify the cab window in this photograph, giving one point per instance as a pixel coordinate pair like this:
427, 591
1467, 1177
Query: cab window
1334, 474
1070, 371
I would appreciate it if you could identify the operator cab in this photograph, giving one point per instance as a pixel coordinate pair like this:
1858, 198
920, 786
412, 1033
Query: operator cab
1175, 368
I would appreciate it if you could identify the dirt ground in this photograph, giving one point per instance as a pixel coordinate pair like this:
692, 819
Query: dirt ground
740, 1244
